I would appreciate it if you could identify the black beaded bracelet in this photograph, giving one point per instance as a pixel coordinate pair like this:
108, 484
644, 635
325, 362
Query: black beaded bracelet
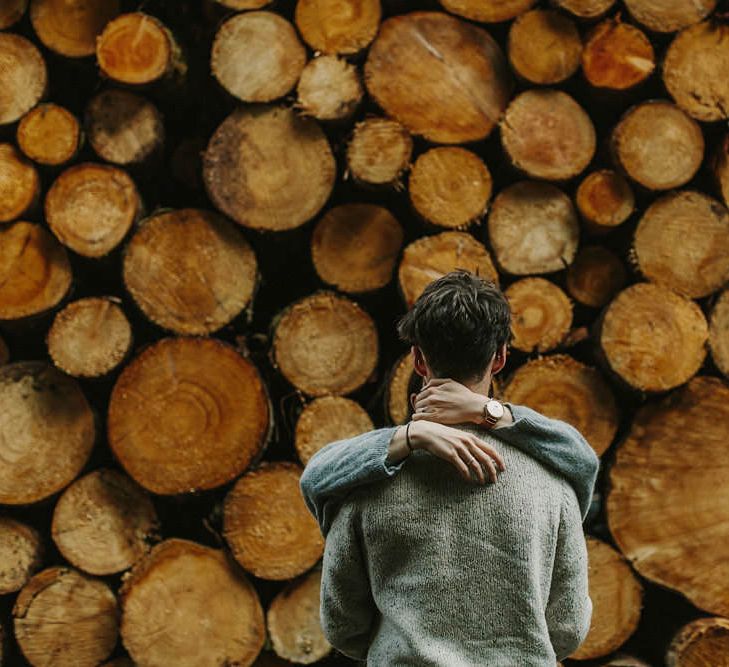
407, 437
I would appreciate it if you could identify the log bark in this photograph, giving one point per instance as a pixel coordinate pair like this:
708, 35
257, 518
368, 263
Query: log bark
190, 271
442, 78
669, 15
187, 414
91, 208
431, 257
269, 169
185, 605
355, 247
547, 135
24, 77
379, 152
541, 314
10, 13
719, 333
401, 382
605, 200
668, 506
293, 622
562, 388
595, 276
329, 89
257, 56
325, 344
658, 145
585, 9
19, 184
704, 641
267, 525
450, 187
533, 228
49, 134
488, 11
328, 419
104, 523
21, 554
89, 337
67, 615
338, 26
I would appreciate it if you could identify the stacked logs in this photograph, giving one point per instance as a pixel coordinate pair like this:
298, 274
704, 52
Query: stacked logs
212, 215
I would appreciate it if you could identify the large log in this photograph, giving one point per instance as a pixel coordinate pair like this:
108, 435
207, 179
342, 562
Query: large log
11, 12
24, 77
21, 553
669, 15
585, 9
379, 152
595, 276
329, 89
605, 200
49, 134
19, 184
719, 333
338, 26
488, 11
700, 643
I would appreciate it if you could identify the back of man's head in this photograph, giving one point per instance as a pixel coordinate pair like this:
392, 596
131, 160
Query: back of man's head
459, 322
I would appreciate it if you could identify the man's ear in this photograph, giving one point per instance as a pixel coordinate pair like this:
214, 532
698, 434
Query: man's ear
419, 361
499, 360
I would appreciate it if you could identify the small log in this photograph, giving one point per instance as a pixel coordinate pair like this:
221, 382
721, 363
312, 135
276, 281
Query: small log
488, 11
89, 337
668, 506
21, 553
546, 134
329, 89
379, 152
124, 128
185, 605
355, 247
595, 276
35, 273
562, 388
267, 525
49, 134
450, 187
4, 352
704, 641
658, 145
91, 207
190, 271
544, 46
617, 56
719, 333
326, 420
610, 580
682, 242
11, 12
541, 314
325, 344
19, 184
267, 168
293, 622
67, 616
187, 414
533, 228
257, 56
691, 65
585, 9
338, 26
397, 398
430, 257
605, 200
71, 28
442, 78
24, 77
104, 523
669, 15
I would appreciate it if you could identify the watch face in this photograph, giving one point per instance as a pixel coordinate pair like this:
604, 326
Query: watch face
495, 409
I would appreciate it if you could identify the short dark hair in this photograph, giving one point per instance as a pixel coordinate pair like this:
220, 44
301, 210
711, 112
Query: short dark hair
459, 322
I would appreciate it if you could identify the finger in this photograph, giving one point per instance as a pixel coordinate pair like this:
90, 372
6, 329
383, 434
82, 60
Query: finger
461, 467
485, 460
488, 449
436, 382
474, 465
419, 416
424, 393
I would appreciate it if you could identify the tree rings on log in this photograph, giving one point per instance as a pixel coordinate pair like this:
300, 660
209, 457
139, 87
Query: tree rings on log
66, 616
187, 414
326, 420
269, 169
190, 271
585, 9
450, 187
19, 184
441, 77
431, 257
719, 333
293, 622
668, 506
10, 13
533, 228
267, 525
257, 56
325, 344
610, 580
595, 276
617, 56
658, 145
544, 46
329, 89
562, 388
49, 134
35, 273
488, 11
546, 134
398, 389
338, 26
24, 77
379, 152
541, 314
605, 200
682, 242
700, 643
104, 523
355, 247
185, 605
91, 207
21, 551
669, 15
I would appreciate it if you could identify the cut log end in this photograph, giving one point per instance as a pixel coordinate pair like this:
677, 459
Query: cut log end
585, 9
605, 200
21, 551
338, 26
704, 641
49, 134
719, 333
24, 77
489, 11
379, 152
397, 398
595, 276
329, 89
669, 15
19, 184
11, 12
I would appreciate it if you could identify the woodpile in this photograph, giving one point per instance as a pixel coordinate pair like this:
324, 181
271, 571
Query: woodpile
212, 215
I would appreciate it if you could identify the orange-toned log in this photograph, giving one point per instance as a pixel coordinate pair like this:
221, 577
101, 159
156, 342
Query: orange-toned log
24, 77
669, 15
19, 184
487, 11
596, 275
329, 89
700, 643
719, 333
187, 414
49, 134
267, 525
397, 396
605, 200
585, 9
338, 26
11, 12
21, 553
379, 152
184, 604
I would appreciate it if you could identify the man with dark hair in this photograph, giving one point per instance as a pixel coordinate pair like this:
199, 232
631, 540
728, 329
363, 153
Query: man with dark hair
422, 569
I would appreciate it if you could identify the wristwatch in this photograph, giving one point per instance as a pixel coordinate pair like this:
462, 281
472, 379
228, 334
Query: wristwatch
493, 410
